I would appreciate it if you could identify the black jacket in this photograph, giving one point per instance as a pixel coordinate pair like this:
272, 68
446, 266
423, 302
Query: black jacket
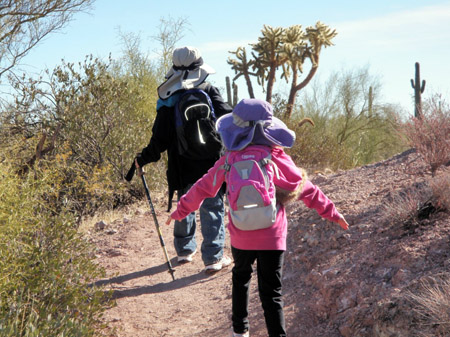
181, 171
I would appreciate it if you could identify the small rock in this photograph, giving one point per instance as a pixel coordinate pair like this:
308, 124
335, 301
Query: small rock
330, 272
400, 277
364, 226
113, 252
345, 330
346, 301
99, 226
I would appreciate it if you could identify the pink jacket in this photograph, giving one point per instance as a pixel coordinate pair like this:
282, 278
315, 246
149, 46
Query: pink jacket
274, 237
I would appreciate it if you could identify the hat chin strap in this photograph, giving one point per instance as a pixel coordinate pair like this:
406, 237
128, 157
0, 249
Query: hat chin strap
194, 65
238, 121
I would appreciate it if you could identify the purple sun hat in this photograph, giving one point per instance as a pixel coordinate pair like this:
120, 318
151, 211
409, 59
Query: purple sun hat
252, 122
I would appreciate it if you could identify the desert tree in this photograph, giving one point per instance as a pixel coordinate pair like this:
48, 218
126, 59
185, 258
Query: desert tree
24, 23
170, 32
352, 124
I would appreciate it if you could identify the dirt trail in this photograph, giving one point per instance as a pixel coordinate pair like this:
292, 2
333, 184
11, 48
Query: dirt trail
148, 302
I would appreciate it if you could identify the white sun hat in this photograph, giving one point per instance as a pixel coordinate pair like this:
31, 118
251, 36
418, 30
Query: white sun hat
188, 71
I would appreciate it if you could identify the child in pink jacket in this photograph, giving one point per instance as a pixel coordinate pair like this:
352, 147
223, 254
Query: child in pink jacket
250, 126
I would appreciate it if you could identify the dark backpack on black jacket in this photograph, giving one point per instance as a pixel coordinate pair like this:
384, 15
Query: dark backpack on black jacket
195, 124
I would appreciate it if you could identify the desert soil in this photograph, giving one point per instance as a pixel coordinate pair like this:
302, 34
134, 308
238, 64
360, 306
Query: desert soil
336, 283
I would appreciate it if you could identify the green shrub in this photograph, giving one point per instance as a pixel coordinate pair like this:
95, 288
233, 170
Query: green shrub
46, 268
97, 118
352, 127
315, 147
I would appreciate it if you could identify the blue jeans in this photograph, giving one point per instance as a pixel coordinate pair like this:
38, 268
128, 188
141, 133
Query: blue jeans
212, 227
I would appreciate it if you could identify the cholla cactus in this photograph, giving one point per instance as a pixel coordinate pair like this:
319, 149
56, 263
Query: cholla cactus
269, 56
294, 49
320, 36
312, 42
241, 66
285, 48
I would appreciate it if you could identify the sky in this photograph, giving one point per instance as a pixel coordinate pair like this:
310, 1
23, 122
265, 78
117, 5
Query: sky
387, 36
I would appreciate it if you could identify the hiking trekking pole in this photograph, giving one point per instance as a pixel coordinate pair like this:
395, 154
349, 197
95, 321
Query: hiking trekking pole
161, 239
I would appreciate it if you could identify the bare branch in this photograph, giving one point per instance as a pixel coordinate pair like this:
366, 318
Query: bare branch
24, 23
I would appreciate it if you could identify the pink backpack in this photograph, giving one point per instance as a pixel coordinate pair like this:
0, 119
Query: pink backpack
250, 188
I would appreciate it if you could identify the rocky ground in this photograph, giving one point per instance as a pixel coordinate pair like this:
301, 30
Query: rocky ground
336, 283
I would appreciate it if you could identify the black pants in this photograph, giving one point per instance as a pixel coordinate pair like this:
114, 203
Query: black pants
269, 270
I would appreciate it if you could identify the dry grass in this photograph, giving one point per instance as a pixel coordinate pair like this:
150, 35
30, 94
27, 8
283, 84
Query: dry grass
412, 205
440, 186
430, 134
111, 216
431, 303
404, 207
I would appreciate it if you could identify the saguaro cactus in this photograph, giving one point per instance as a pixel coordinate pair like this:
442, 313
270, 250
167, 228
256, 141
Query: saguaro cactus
235, 94
418, 91
232, 97
228, 83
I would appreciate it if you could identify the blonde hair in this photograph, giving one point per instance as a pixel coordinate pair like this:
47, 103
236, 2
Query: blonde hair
285, 197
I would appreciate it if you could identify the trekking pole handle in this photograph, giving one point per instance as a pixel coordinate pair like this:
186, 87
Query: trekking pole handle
140, 171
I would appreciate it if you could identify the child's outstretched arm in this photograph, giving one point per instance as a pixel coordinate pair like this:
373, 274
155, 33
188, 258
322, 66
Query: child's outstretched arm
169, 219
290, 178
313, 197
205, 187
343, 223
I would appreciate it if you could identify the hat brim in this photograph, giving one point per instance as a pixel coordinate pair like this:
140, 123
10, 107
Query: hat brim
236, 138
175, 80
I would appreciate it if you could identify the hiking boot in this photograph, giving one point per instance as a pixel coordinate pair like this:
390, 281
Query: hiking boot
234, 334
187, 258
225, 261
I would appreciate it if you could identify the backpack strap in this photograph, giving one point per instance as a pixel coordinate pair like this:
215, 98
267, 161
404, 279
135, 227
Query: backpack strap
268, 160
202, 92
226, 166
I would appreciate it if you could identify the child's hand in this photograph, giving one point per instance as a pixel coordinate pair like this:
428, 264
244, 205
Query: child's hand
169, 220
343, 223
